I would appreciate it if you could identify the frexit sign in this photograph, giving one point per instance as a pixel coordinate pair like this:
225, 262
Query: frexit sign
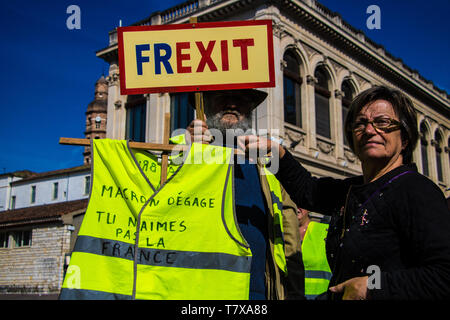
196, 57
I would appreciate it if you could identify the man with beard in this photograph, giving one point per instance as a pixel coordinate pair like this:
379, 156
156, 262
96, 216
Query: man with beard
228, 114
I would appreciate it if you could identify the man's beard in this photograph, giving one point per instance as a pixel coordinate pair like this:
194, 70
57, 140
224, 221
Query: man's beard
237, 128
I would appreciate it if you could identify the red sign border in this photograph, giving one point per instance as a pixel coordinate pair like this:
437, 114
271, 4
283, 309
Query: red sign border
249, 85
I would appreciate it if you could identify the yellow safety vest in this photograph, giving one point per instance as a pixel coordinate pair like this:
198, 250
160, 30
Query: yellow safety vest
277, 207
317, 270
140, 241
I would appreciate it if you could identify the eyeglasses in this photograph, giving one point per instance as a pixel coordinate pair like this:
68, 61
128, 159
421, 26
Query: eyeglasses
383, 123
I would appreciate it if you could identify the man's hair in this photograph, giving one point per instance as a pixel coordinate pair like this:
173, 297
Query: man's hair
403, 108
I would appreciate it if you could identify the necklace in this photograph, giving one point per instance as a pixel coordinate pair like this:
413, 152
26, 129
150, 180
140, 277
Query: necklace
364, 217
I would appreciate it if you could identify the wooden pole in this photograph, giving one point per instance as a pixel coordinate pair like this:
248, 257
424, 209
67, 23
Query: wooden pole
133, 145
136, 145
199, 108
165, 156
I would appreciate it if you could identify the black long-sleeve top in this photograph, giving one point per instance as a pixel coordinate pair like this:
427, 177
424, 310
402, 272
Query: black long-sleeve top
399, 223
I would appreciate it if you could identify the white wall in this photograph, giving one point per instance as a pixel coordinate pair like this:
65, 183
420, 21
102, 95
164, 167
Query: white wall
70, 187
4, 184
5, 191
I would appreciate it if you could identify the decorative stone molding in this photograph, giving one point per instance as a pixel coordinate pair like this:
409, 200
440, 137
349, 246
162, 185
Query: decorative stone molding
295, 138
311, 80
113, 79
279, 30
423, 138
325, 147
359, 80
342, 162
155, 18
434, 143
310, 51
204, 3
334, 64
118, 104
350, 156
338, 94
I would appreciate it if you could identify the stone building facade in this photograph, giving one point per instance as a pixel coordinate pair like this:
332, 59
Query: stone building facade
34, 269
321, 63
34, 245
39, 221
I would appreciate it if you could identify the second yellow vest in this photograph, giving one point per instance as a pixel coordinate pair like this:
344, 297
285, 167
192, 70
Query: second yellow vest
317, 270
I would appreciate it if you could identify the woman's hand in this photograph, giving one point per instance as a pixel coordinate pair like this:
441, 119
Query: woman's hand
354, 289
198, 132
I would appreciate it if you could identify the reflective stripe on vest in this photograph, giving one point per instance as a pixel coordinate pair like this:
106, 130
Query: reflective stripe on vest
277, 205
317, 270
160, 257
139, 241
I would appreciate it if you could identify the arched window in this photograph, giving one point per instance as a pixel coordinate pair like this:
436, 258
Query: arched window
291, 88
348, 94
438, 152
322, 101
423, 148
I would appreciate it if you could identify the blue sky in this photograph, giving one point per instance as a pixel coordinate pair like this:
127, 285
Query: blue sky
48, 71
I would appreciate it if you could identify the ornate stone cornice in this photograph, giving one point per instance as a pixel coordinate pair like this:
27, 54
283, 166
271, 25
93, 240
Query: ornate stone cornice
328, 25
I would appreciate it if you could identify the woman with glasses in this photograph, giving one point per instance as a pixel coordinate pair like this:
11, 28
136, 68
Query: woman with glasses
389, 237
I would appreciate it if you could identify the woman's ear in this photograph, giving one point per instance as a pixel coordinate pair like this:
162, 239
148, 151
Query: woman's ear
404, 144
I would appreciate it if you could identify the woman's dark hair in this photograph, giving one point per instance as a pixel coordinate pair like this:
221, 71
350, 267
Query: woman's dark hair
403, 108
